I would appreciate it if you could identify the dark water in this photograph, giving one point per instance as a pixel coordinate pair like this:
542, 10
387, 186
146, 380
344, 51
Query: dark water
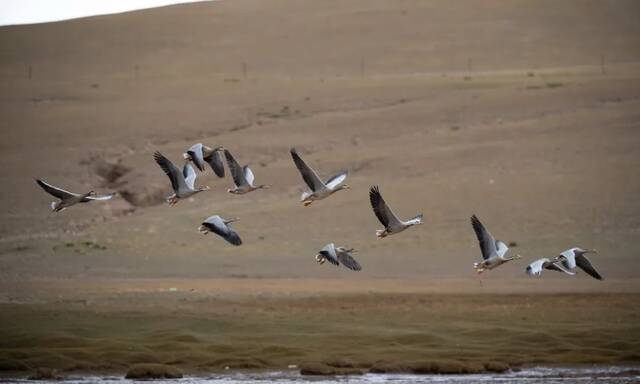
538, 375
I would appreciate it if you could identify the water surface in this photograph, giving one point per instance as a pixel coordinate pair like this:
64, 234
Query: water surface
538, 375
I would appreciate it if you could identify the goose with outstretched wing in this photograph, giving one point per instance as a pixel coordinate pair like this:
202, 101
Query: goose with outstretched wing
337, 256
318, 189
67, 199
242, 176
392, 224
493, 251
182, 182
575, 258
221, 227
200, 155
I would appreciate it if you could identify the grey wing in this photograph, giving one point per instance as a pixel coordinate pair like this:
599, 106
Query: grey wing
55, 191
381, 209
217, 226
195, 152
308, 175
329, 253
232, 237
487, 242
585, 265
557, 266
100, 197
175, 176
189, 175
348, 261
236, 170
336, 180
215, 161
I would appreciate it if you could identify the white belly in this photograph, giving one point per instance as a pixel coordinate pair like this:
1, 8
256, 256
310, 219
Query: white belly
319, 195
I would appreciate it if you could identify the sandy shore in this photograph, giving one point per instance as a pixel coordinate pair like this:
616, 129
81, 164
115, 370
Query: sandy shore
203, 326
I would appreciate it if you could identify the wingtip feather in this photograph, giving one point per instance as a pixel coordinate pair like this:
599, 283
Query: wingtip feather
157, 156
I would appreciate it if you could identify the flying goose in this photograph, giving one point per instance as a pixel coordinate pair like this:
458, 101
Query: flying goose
199, 154
319, 190
183, 183
392, 224
493, 251
67, 198
242, 176
338, 255
222, 227
535, 268
575, 257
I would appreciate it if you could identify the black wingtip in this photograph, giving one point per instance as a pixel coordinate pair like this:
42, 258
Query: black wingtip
374, 196
478, 228
294, 154
354, 265
234, 239
597, 276
475, 221
160, 159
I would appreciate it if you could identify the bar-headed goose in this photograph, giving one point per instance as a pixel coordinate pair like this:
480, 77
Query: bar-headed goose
183, 183
221, 227
575, 257
392, 224
67, 198
338, 255
319, 189
242, 176
200, 154
493, 251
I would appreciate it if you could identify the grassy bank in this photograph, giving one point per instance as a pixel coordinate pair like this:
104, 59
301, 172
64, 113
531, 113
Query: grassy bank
382, 332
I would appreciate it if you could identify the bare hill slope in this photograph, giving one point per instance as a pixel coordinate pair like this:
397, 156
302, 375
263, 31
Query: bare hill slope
452, 108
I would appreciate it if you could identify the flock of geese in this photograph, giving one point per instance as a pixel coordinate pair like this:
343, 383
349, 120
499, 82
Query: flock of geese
494, 252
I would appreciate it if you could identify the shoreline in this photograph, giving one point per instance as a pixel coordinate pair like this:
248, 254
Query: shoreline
292, 287
530, 371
